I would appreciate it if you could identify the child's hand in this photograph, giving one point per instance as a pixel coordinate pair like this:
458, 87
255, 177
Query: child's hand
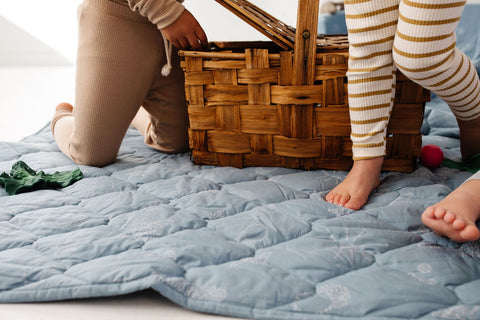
186, 33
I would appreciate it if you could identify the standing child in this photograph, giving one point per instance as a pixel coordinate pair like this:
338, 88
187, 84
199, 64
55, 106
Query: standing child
417, 37
127, 73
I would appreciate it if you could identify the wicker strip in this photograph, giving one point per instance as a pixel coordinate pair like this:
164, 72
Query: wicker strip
257, 104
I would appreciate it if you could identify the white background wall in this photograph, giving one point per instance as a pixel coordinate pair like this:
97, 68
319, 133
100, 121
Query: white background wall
51, 21
54, 21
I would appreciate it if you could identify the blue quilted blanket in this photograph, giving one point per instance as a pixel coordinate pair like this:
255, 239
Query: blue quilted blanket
255, 242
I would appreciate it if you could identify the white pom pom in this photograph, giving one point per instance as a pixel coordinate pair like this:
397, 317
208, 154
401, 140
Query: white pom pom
166, 70
168, 53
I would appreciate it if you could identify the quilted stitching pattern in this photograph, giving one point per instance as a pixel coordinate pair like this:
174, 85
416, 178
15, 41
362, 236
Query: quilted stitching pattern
206, 236
254, 242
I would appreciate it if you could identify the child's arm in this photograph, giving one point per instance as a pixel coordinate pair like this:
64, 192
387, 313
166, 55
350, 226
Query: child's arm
177, 24
186, 32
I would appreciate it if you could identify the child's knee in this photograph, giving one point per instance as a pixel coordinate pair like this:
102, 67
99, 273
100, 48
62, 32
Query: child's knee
169, 137
419, 66
171, 144
91, 157
93, 161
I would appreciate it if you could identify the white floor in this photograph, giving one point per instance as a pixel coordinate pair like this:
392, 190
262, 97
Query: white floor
145, 305
29, 96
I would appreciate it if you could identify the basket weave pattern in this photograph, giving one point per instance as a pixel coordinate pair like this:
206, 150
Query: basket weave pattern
247, 109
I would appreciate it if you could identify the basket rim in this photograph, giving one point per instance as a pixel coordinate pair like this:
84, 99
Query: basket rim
220, 49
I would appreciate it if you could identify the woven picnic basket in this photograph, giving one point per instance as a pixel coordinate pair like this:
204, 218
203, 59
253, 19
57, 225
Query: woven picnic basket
284, 103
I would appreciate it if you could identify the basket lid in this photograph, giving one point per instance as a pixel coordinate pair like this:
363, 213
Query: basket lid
277, 31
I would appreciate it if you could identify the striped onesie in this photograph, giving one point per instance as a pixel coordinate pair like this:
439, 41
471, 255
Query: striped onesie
418, 38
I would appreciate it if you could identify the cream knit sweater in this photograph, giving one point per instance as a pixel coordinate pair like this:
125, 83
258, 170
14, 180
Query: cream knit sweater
162, 13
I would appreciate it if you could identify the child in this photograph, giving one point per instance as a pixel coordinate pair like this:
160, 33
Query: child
455, 215
127, 74
417, 37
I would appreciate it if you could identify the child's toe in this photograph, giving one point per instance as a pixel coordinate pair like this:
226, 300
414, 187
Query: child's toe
449, 217
439, 213
459, 224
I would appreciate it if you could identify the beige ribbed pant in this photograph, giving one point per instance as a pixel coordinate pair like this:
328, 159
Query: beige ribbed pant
417, 37
119, 62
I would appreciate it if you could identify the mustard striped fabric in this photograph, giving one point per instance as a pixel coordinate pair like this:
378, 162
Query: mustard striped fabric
417, 37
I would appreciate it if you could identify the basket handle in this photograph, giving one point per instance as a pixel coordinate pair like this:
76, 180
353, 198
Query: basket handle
271, 27
306, 42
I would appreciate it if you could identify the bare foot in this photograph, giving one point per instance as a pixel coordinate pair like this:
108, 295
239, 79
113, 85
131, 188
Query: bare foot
141, 121
64, 106
469, 137
353, 192
455, 216
62, 109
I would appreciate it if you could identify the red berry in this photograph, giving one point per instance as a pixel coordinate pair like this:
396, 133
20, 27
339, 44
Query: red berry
431, 156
